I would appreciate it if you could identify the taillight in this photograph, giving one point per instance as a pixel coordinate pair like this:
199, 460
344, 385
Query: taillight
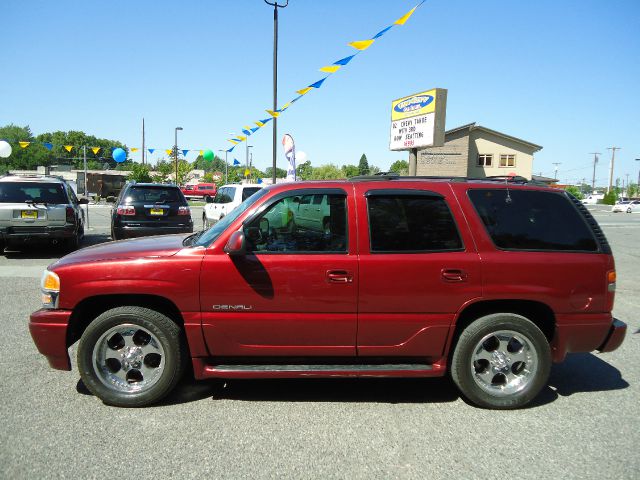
184, 211
71, 215
126, 210
611, 280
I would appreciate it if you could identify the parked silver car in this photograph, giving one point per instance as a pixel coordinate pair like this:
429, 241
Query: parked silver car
39, 208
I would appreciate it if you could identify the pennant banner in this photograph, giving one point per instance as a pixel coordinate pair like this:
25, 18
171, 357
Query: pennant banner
24, 144
95, 150
359, 45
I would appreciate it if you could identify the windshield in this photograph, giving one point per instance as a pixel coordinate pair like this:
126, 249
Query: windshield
21, 192
214, 232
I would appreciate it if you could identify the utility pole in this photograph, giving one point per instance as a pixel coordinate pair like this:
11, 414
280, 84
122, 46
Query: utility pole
613, 159
555, 172
143, 154
595, 162
84, 155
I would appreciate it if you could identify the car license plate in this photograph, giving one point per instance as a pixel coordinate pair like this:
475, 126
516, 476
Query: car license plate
157, 211
33, 214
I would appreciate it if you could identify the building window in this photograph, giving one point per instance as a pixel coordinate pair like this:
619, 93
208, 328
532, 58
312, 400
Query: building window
507, 160
484, 160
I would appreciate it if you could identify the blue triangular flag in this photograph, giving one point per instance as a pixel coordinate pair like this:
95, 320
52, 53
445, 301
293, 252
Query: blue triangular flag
345, 60
318, 83
259, 180
184, 153
151, 150
231, 149
382, 32
48, 145
253, 130
236, 162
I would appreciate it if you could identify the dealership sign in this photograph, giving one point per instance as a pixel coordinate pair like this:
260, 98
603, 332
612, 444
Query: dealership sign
417, 121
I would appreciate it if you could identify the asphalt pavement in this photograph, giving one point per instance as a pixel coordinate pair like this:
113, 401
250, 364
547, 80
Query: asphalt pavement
585, 424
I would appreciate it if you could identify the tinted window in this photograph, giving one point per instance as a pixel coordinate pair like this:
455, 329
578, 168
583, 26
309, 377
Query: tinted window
532, 220
247, 192
20, 192
411, 223
225, 195
150, 194
276, 229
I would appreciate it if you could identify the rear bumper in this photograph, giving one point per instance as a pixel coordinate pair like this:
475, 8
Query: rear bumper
48, 330
32, 232
615, 336
147, 231
586, 333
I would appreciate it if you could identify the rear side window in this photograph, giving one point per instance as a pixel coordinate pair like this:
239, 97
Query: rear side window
21, 192
247, 192
411, 223
225, 195
532, 220
154, 195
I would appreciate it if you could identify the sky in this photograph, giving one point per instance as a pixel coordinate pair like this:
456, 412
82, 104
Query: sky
561, 74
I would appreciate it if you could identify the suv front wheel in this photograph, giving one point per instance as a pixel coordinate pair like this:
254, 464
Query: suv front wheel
131, 356
501, 361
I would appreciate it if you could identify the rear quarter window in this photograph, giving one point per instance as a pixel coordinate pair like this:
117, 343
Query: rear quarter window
532, 220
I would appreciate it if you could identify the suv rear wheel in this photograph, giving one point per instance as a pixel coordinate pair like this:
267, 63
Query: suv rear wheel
131, 356
501, 361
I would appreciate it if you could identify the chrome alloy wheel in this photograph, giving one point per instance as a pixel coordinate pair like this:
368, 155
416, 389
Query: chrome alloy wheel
504, 362
128, 358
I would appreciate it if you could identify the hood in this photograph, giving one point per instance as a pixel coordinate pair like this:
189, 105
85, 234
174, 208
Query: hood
145, 247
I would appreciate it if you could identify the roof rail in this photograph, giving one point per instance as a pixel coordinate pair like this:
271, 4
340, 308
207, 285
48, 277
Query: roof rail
377, 176
493, 178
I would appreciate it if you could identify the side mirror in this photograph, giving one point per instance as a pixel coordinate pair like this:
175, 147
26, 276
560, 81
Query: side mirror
235, 245
83, 201
208, 199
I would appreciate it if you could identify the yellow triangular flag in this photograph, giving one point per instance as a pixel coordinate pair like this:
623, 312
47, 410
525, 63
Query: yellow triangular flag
361, 44
24, 144
272, 113
330, 69
95, 150
402, 20
201, 152
242, 138
134, 150
285, 106
68, 148
233, 141
302, 91
247, 127
260, 124
169, 151
247, 172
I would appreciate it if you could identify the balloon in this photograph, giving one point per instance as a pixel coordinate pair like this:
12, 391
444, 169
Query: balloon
119, 155
207, 155
5, 149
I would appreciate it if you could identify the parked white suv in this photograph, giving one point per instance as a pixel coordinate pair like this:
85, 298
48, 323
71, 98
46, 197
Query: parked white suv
227, 198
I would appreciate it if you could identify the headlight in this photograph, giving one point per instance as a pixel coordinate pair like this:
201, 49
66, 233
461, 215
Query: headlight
50, 286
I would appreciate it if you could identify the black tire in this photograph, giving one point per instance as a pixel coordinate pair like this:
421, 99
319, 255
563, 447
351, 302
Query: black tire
629, 210
131, 356
207, 198
74, 242
516, 365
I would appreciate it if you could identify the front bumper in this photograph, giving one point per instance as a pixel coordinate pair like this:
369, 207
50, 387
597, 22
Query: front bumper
48, 330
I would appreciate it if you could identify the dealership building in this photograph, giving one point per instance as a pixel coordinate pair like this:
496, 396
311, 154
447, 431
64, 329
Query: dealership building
475, 151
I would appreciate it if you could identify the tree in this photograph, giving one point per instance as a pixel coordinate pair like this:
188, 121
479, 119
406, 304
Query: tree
350, 171
374, 170
575, 191
610, 198
28, 158
304, 170
140, 173
363, 166
162, 171
401, 167
280, 172
326, 172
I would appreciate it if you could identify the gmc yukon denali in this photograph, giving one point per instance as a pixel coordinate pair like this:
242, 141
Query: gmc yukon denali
487, 280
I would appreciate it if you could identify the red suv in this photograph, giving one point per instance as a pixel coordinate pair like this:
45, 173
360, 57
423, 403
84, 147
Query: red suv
205, 191
491, 281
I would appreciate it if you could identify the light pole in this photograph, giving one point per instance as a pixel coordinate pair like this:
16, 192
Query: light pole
638, 185
175, 151
226, 166
247, 161
275, 6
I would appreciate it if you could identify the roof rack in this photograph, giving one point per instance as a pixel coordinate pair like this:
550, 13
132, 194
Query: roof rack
493, 178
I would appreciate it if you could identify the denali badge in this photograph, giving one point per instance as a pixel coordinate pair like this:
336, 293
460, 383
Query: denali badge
233, 307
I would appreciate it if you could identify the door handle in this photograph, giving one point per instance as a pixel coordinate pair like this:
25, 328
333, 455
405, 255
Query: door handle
339, 276
454, 275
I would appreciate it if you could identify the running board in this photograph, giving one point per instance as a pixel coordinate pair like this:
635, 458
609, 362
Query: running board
204, 370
